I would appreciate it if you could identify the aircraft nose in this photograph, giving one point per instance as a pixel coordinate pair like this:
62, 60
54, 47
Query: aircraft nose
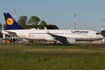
101, 36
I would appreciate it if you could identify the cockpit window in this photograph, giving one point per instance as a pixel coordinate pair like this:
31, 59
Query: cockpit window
97, 33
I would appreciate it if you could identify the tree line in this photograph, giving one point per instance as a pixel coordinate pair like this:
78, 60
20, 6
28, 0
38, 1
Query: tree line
33, 22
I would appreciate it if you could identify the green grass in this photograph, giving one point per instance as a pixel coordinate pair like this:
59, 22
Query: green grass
48, 57
51, 61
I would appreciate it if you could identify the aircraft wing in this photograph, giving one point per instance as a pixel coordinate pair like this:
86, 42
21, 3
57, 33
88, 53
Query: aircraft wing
57, 37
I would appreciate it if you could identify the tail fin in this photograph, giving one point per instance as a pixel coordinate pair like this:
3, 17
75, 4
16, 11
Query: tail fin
10, 22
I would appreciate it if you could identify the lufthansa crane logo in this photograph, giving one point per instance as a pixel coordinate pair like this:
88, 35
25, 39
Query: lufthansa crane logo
10, 21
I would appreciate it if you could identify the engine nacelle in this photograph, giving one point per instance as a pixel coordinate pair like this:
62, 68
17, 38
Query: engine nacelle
69, 41
50, 39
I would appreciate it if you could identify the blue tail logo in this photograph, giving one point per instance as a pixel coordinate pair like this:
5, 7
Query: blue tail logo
10, 22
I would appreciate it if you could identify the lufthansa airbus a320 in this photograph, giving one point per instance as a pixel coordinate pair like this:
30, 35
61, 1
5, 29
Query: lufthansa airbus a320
64, 36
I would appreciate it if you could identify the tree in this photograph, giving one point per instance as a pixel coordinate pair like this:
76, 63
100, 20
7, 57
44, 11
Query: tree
5, 27
0, 26
42, 24
34, 20
22, 21
50, 26
1, 35
103, 33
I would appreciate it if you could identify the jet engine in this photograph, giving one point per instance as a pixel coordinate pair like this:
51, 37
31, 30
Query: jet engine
69, 41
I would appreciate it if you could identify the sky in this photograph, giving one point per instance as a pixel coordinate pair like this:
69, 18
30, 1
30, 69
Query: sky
89, 13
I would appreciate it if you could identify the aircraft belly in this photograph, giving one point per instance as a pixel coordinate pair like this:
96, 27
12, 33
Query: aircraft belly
87, 39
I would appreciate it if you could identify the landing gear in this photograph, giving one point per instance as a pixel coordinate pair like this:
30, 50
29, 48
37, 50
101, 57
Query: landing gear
89, 43
54, 43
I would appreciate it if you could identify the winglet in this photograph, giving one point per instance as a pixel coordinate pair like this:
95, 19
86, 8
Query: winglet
37, 28
47, 30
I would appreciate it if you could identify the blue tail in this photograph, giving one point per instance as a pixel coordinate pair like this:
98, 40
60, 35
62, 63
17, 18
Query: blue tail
10, 22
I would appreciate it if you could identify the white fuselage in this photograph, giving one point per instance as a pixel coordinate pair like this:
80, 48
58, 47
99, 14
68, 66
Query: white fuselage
33, 34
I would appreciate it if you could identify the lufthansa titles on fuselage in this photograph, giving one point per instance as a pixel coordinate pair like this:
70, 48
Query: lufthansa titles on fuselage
77, 31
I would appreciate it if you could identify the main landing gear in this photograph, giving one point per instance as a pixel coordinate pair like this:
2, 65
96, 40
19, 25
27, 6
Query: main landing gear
90, 43
54, 43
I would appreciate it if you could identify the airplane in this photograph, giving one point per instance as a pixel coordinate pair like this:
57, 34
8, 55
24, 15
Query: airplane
64, 36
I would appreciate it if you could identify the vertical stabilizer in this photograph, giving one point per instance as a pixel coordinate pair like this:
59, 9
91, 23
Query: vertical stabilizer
10, 22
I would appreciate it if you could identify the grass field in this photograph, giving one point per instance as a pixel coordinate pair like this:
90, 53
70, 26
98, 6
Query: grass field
31, 56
